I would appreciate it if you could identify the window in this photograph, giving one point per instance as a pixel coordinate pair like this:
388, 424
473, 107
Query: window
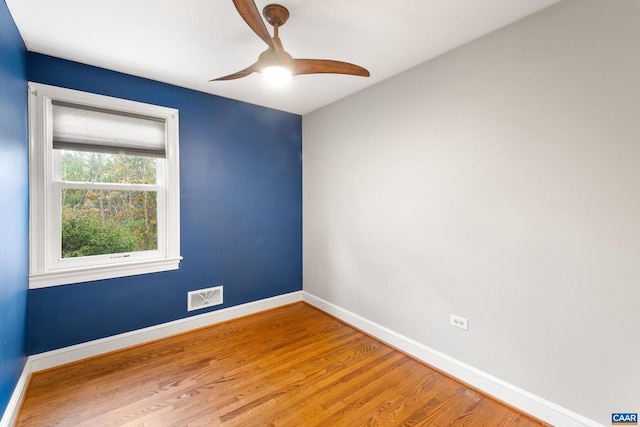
104, 187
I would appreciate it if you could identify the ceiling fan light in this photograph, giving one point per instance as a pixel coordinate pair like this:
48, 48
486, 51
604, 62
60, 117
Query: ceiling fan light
276, 75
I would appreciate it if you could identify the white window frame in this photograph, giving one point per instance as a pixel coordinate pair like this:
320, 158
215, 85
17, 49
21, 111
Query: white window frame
45, 267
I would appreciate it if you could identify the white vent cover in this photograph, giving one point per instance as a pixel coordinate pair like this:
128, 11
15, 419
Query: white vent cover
204, 298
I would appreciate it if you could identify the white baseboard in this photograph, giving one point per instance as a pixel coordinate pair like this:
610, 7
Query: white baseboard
10, 415
508, 393
73, 353
50, 359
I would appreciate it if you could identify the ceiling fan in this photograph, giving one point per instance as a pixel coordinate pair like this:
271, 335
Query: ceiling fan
275, 63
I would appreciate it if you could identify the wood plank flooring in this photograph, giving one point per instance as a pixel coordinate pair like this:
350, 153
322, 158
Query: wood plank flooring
291, 366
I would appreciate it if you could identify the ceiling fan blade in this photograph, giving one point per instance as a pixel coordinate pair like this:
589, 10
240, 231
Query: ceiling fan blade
242, 73
249, 12
313, 66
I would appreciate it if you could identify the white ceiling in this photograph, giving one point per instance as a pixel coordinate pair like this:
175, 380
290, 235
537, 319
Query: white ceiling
189, 42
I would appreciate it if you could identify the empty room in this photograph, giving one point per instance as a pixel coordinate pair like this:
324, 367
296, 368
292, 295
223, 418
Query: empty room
337, 213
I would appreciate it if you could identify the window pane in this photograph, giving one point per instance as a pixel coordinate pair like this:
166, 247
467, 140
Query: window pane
82, 166
98, 222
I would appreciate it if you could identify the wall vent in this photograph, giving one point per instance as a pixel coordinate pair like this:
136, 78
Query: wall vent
204, 298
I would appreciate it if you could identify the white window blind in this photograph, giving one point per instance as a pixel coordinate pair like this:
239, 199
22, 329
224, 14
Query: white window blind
82, 128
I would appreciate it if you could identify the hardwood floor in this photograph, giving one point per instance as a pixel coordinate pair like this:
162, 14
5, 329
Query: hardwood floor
291, 366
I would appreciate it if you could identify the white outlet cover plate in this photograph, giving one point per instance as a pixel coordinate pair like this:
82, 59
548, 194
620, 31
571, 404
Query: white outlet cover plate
459, 322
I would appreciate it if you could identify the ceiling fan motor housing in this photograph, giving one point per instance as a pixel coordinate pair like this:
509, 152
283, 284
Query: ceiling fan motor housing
271, 58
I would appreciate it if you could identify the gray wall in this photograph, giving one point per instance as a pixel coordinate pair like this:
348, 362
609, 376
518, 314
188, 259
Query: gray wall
498, 182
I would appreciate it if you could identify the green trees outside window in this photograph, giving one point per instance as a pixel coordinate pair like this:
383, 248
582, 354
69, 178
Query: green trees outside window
107, 221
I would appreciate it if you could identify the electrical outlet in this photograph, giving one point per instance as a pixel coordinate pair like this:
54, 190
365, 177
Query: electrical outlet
459, 322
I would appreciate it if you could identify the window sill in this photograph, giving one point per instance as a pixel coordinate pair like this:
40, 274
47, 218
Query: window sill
78, 275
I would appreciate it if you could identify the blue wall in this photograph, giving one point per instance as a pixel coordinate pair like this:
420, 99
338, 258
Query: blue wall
14, 231
241, 212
